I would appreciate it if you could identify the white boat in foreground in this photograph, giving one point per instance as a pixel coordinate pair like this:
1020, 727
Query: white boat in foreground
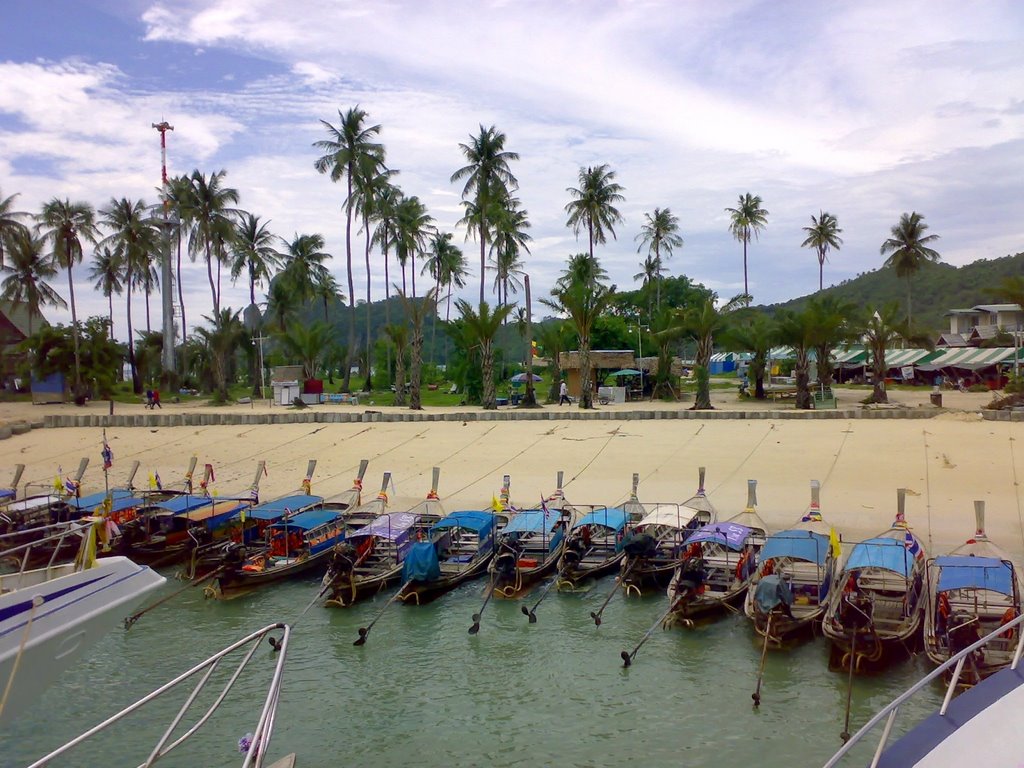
979, 727
253, 746
50, 616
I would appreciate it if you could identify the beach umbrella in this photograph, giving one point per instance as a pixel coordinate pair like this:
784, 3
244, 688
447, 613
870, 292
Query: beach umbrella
626, 372
519, 378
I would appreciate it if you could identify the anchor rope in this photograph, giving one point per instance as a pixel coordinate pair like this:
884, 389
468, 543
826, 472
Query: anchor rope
738, 467
1016, 488
835, 459
927, 488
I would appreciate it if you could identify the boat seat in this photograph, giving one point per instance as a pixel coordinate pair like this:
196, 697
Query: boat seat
460, 558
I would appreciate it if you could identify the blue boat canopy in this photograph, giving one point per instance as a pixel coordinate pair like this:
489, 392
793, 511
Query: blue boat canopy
308, 520
610, 518
966, 572
480, 523
181, 504
531, 521
272, 510
93, 500
729, 535
421, 563
797, 544
890, 554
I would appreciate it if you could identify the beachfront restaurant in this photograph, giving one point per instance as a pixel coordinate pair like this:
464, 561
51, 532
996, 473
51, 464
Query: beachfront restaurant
603, 362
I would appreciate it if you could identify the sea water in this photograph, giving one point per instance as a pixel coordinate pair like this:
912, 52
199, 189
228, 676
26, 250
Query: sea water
423, 692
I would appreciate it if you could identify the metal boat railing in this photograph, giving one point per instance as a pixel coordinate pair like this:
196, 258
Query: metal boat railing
261, 735
22, 552
889, 713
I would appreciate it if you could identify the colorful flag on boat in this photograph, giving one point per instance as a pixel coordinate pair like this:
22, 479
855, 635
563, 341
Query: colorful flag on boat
108, 455
152, 482
70, 486
835, 548
813, 515
496, 505
58, 484
254, 496
913, 545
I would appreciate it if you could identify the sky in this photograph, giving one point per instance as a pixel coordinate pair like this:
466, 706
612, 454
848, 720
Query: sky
866, 110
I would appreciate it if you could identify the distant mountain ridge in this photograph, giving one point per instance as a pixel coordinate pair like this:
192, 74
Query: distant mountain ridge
936, 289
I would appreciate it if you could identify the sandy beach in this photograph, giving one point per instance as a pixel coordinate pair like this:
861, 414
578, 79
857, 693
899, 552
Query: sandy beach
946, 462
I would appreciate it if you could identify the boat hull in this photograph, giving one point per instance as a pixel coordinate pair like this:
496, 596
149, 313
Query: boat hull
237, 582
78, 609
421, 592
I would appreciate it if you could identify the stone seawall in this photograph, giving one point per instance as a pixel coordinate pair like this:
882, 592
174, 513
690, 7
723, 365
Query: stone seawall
372, 416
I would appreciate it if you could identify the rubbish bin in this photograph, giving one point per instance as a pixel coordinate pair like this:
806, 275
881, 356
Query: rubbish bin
936, 399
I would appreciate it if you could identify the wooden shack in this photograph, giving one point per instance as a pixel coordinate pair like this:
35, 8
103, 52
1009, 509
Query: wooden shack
602, 362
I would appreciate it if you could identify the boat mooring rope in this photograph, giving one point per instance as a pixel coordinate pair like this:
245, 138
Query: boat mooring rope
835, 459
1016, 488
738, 467
927, 488
36, 602
668, 458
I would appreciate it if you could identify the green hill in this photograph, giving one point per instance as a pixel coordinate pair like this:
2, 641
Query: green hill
936, 289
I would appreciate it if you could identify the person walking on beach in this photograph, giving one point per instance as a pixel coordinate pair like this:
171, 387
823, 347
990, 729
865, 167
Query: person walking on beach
149, 399
156, 400
563, 394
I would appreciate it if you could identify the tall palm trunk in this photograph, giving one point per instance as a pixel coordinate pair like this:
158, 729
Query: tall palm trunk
399, 375
909, 314
483, 256
490, 401
746, 237
74, 326
209, 276
657, 279
801, 371
369, 367
347, 379
417, 365
703, 360
136, 383
821, 270
878, 368
412, 271
110, 305
181, 294
586, 386
149, 328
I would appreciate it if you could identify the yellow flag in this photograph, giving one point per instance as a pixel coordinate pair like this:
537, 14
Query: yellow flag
152, 482
58, 484
495, 504
833, 543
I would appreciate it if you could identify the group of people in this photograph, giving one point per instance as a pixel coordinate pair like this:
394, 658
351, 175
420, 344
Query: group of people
153, 399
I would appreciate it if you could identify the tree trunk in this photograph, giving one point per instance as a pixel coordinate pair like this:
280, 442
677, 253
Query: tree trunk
369, 368
803, 392
746, 289
149, 328
909, 314
703, 359
530, 398
878, 368
758, 366
74, 327
110, 304
347, 379
414, 374
586, 386
399, 376
821, 271
826, 371
181, 294
209, 276
490, 402
136, 382
483, 246
412, 271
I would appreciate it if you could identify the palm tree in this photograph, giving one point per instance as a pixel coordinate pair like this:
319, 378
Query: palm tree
327, 291
582, 268
345, 147
222, 340
703, 322
593, 205
148, 279
107, 272
908, 249
832, 318
822, 235
399, 335
667, 328
384, 214
746, 219
799, 331
482, 326
283, 303
179, 195
417, 310
649, 274
308, 343
660, 233
488, 179
880, 330
303, 265
753, 332
28, 268
10, 222
510, 238
552, 337
584, 301
212, 217
414, 226
253, 252
64, 225
132, 236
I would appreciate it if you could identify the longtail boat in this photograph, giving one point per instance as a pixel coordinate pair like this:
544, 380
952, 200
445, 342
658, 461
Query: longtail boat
877, 604
718, 564
460, 547
972, 591
530, 545
656, 543
593, 547
790, 588
371, 558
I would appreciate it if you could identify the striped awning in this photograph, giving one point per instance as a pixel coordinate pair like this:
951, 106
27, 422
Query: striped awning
897, 358
970, 358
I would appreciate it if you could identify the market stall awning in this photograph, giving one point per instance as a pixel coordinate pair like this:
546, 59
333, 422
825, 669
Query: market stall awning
968, 358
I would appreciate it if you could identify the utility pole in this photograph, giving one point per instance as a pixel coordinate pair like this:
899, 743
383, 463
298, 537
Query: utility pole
258, 341
166, 274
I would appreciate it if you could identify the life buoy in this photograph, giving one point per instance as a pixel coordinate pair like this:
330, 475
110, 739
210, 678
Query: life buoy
1009, 616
